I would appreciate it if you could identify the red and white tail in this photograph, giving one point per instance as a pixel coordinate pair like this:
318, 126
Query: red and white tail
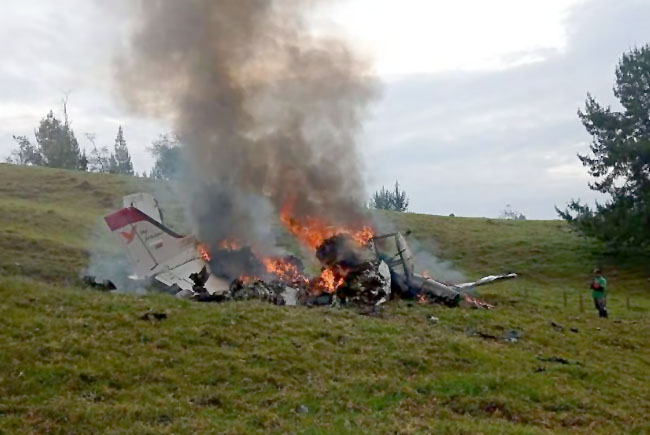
151, 246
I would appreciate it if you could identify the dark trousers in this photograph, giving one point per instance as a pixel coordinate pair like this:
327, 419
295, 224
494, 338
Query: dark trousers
601, 306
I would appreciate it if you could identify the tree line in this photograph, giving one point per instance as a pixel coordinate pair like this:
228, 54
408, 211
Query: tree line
56, 146
390, 199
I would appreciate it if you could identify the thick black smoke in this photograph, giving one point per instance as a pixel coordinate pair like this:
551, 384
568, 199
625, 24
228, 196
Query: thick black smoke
268, 112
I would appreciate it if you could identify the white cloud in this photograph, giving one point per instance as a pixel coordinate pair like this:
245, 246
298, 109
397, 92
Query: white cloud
489, 138
424, 36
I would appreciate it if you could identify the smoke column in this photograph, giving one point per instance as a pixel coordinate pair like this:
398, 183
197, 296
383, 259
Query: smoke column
267, 111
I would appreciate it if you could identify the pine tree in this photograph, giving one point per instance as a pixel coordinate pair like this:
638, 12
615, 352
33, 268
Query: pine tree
620, 160
121, 159
57, 143
382, 199
400, 200
390, 200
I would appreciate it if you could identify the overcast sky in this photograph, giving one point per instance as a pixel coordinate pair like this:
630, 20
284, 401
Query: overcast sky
478, 105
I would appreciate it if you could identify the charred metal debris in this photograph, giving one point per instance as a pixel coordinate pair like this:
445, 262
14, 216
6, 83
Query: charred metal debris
364, 274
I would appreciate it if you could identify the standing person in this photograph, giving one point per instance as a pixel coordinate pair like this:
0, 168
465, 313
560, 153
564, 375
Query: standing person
599, 292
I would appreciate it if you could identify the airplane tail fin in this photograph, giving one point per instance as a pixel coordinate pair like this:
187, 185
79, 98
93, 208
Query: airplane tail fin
152, 246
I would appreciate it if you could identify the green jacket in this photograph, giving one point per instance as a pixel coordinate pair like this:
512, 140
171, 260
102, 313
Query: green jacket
599, 287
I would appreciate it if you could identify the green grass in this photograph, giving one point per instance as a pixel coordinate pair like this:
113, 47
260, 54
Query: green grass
74, 360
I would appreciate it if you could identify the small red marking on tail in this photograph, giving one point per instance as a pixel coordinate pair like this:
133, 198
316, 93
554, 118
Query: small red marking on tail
128, 235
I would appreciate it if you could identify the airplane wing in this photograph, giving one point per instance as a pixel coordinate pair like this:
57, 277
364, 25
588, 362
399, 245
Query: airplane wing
485, 280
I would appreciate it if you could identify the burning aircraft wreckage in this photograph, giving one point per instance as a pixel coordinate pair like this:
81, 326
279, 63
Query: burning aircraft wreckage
267, 113
357, 268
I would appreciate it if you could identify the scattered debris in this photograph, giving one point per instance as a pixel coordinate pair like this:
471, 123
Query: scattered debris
302, 409
486, 336
554, 359
475, 333
433, 319
395, 251
274, 292
540, 369
561, 328
104, 285
153, 316
513, 335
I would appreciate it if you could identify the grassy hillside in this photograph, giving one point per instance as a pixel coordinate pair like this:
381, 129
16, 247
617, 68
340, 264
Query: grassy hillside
49, 219
77, 360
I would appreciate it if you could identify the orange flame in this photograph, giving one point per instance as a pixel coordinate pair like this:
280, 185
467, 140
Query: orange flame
203, 250
312, 231
330, 281
285, 270
422, 299
230, 245
474, 302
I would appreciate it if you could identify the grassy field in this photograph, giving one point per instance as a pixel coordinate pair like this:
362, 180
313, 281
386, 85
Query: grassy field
74, 360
